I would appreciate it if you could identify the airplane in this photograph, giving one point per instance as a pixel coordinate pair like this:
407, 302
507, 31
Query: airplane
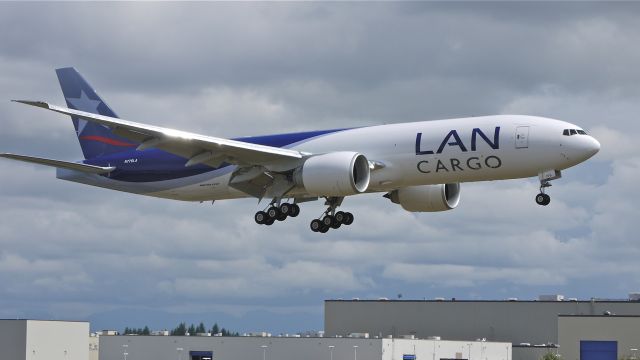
417, 165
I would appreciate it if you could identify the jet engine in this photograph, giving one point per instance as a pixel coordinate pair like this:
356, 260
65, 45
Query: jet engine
426, 198
339, 173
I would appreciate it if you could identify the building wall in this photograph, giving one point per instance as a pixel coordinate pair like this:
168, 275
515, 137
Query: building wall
43, 340
233, 348
57, 340
517, 322
531, 352
623, 329
247, 348
442, 349
13, 337
94, 347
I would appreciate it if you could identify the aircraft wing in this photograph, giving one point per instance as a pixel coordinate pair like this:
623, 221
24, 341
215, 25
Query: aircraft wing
197, 148
60, 164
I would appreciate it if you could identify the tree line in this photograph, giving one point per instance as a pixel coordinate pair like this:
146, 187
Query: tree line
182, 330
138, 331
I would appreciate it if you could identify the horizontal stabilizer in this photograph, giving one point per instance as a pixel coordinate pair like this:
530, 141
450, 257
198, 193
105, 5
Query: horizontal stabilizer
41, 104
61, 164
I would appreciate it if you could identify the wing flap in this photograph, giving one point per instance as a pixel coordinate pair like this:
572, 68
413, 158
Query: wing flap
181, 143
92, 169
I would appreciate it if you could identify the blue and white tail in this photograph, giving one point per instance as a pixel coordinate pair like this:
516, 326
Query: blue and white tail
95, 140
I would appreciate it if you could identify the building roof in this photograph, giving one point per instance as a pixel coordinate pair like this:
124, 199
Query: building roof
80, 321
617, 301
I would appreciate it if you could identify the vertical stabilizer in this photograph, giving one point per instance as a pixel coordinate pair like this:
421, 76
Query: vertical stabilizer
95, 140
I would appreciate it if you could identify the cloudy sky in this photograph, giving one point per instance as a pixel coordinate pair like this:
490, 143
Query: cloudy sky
69, 251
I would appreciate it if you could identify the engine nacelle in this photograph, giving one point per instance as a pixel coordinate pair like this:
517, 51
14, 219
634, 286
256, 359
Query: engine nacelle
338, 173
427, 198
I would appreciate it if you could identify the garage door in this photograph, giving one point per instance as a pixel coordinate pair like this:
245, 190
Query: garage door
201, 355
598, 350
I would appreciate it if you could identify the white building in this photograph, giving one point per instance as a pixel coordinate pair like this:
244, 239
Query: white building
44, 340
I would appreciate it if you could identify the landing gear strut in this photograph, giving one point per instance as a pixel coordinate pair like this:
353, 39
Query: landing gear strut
545, 181
276, 212
331, 219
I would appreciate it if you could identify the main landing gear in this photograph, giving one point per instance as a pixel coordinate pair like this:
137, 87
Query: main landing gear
545, 181
331, 219
275, 212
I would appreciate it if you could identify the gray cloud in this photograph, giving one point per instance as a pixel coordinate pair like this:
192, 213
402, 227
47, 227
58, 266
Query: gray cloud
226, 69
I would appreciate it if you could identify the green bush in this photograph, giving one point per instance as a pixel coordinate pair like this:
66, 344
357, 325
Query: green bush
551, 356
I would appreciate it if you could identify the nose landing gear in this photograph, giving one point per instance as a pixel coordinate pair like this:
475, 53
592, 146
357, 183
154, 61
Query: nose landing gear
545, 181
543, 199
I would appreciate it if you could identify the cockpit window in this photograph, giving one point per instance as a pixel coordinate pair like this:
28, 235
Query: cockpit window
569, 132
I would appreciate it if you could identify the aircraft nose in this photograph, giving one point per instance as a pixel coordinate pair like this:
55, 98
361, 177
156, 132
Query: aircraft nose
593, 147
589, 147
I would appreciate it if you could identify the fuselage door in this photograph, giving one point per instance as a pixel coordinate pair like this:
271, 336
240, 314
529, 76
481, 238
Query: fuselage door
522, 137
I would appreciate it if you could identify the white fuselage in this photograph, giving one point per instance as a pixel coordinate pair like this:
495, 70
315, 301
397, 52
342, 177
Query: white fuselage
409, 154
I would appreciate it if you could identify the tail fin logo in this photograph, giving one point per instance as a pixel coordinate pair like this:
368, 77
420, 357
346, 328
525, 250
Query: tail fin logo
84, 103
95, 139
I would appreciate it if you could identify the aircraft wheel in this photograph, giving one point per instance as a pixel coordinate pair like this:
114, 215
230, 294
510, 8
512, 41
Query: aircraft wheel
543, 199
295, 210
269, 221
340, 217
348, 218
328, 220
286, 209
281, 217
324, 229
260, 217
273, 212
316, 225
